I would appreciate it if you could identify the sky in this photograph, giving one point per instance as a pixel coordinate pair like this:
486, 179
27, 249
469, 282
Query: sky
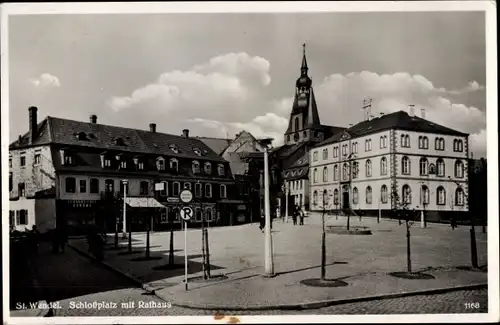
218, 74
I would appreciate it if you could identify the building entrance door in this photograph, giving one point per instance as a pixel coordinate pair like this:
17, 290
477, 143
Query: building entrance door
345, 200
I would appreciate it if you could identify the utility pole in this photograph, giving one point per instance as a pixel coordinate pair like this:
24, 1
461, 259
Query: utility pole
124, 235
269, 266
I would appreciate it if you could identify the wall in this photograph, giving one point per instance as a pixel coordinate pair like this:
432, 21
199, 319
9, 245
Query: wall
36, 177
45, 213
245, 142
414, 149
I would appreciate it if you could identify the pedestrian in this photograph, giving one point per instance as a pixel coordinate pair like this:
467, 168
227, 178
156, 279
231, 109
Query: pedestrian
453, 223
295, 215
262, 220
301, 216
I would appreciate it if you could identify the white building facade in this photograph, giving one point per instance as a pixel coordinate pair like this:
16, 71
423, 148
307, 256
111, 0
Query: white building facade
383, 164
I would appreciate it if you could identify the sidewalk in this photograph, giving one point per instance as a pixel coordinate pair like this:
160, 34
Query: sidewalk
362, 262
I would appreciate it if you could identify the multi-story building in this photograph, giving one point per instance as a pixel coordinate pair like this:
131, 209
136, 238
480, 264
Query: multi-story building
390, 162
85, 164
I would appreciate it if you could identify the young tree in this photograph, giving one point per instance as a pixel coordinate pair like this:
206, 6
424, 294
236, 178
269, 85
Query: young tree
403, 212
324, 209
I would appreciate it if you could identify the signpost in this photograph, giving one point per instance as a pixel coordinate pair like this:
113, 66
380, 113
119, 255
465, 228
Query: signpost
186, 214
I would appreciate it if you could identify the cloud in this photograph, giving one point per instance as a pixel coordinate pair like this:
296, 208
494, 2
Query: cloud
478, 143
45, 80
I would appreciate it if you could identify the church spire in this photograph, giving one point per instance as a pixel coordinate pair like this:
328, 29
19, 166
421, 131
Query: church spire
304, 67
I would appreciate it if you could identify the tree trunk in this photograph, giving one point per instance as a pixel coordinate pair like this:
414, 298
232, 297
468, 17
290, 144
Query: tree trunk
408, 250
207, 248
204, 261
323, 248
473, 244
148, 225
171, 252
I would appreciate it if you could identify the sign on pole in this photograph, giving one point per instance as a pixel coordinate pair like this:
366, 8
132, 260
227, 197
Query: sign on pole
186, 213
159, 186
186, 196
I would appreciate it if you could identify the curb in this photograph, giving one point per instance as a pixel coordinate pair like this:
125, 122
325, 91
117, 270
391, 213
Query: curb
138, 282
333, 302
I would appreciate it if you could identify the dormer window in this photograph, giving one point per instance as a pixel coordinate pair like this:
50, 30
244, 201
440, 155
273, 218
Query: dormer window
139, 163
81, 136
221, 169
208, 168
160, 163
123, 164
174, 148
174, 164
119, 142
196, 167
66, 157
197, 151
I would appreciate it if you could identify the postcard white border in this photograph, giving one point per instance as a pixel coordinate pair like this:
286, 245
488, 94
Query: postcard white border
273, 7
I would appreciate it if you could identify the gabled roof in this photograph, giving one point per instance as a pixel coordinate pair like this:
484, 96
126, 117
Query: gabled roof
216, 144
399, 120
60, 131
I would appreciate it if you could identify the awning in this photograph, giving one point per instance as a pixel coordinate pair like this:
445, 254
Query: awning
143, 202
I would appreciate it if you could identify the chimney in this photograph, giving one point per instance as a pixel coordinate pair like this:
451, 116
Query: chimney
422, 111
93, 119
33, 122
185, 133
411, 110
152, 127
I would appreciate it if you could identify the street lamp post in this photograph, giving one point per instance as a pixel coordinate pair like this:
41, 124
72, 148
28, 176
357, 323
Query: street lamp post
269, 266
125, 182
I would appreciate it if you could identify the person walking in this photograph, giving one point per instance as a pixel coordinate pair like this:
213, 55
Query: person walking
301, 216
262, 223
295, 215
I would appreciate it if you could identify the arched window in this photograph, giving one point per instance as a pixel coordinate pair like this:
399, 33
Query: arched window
209, 214
355, 196
197, 189
208, 190
326, 200
426, 142
458, 145
176, 188
325, 174
174, 164
441, 196
459, 169
336, 196
335, 173
368, 168
345, 171
424, 166
208, 168
383, 166
198, 214
160, 163
220, 168
423, 142
383, 194
406, 194
315, 198
405, 166
424, 195
223, 191
459, 196
196, 167
296, 124
369, 195
315, 175
440, 167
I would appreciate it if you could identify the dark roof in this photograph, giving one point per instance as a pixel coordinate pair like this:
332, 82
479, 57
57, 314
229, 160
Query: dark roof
398, 120
299, 169
331, 130
59, 131
216, 144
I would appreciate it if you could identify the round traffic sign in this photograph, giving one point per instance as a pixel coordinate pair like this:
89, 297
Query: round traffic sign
186, 196
186, 213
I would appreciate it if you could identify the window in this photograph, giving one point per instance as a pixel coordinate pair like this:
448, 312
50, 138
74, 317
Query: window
315, 175
345, 171
22, 161
174, 164
176, 188
425, 195
355, 147
458, 145
197, 190
70, 184
441, 196
83, 186
197, 151
10, 162
12, 220
315, 198
23, 217
315, 156
440, 170
198, 214
109, 185
164, 191
326, 200
221, 169
423, 142
335, 173
123, 164
208, 190
223, 191
196, 167
336, 196
335, 152
296, 124
368, 145
405, 140
187, 186
459, 196
459, 169
144, 188
160, 163
22, 189
38, 159
344, 150
355, 196
107, 162
208, 214
124, 187
94, 185
406, 194
325, 174
174, 148
405, 166
424, 166
383, 142
439, 144
208, 168
368, 168
369, 195
383, 166
355, 170
11, 181
140, 165
383, 194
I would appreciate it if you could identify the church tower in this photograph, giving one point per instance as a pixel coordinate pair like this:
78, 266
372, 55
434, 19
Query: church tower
304, 124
